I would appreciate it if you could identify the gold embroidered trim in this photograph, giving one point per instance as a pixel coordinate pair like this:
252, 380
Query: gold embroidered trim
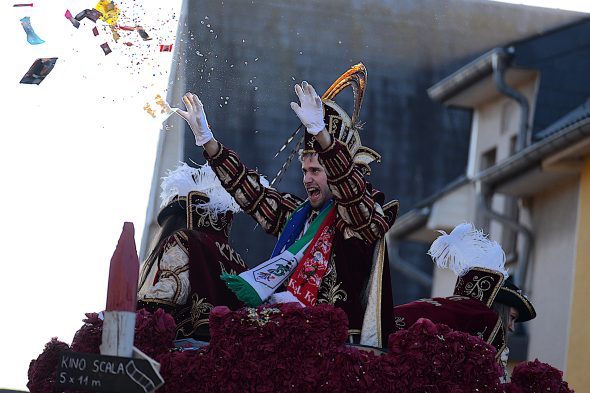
352, 201
494, 331
497, 328
526, 302
343, 176
474, 285
198, 307
400, 322
379, 266
216, 155
255, 204
178, 242
390, 205
176, 277
232, 187
366, 224
330, 291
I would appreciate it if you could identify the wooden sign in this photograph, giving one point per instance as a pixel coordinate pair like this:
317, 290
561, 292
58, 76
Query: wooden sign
99, 373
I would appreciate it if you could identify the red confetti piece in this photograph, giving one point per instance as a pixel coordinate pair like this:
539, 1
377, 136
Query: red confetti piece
166, 48
74, 21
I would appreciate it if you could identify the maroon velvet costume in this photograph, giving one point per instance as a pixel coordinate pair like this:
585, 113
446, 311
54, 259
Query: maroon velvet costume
468, 310
191, 253
360, 223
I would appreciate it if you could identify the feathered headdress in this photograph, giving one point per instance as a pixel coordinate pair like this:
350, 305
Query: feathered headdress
338, 123
477, 260
184, 179
465, 248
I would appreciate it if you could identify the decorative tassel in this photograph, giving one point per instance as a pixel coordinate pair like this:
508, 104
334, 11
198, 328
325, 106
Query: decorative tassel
289, 139
242, 289
279, 176
465, 248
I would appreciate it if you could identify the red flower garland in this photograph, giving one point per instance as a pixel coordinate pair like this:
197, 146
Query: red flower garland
43, 371
532, 377
433, 357
288, 348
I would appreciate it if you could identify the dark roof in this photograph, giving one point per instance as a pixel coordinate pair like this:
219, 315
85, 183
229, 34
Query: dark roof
575, 116
562, 56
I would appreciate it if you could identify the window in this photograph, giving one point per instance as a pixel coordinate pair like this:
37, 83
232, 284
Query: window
488, 159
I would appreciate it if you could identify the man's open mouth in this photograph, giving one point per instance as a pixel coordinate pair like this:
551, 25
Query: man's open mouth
313, 192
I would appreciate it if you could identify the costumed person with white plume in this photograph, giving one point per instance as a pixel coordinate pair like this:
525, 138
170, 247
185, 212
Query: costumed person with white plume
190, 251
327, 243
484, 303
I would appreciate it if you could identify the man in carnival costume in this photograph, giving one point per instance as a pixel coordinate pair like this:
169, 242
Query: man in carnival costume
331, 246
484, 303
191, 250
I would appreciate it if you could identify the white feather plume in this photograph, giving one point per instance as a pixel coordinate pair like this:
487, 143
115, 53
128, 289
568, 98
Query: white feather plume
184, 179
465, 248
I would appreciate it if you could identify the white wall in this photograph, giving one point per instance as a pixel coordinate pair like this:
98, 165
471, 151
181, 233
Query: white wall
551, 272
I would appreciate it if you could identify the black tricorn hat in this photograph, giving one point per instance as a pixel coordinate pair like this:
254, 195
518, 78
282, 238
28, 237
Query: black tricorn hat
178, 206
510, 295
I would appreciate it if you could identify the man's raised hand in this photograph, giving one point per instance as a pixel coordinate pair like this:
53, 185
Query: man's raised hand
195, 117
310, 111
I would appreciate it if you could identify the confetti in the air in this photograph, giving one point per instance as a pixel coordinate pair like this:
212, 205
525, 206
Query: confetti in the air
91, 14
75, 22
39, 70
32, 37
144, 36
159, 108
139, 37
106, 48
109, 12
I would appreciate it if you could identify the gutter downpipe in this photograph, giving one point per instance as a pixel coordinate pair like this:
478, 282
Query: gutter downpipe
483, 190
499, 64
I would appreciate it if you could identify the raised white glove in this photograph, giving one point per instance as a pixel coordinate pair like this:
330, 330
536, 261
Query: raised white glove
195, 117
310, 112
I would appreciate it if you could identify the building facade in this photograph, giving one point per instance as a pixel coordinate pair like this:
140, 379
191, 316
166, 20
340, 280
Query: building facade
527, 184
243, 58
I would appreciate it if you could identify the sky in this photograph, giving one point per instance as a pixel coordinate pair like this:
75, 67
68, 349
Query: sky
76, 159
77, 153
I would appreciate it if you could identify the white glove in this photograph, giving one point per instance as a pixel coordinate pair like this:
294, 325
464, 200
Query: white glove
311, 112
195, 117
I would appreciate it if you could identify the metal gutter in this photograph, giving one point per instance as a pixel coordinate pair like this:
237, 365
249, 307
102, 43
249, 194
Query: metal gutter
466, 76
534, 154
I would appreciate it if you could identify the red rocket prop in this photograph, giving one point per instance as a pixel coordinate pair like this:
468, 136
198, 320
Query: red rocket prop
124, 273
119, 322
